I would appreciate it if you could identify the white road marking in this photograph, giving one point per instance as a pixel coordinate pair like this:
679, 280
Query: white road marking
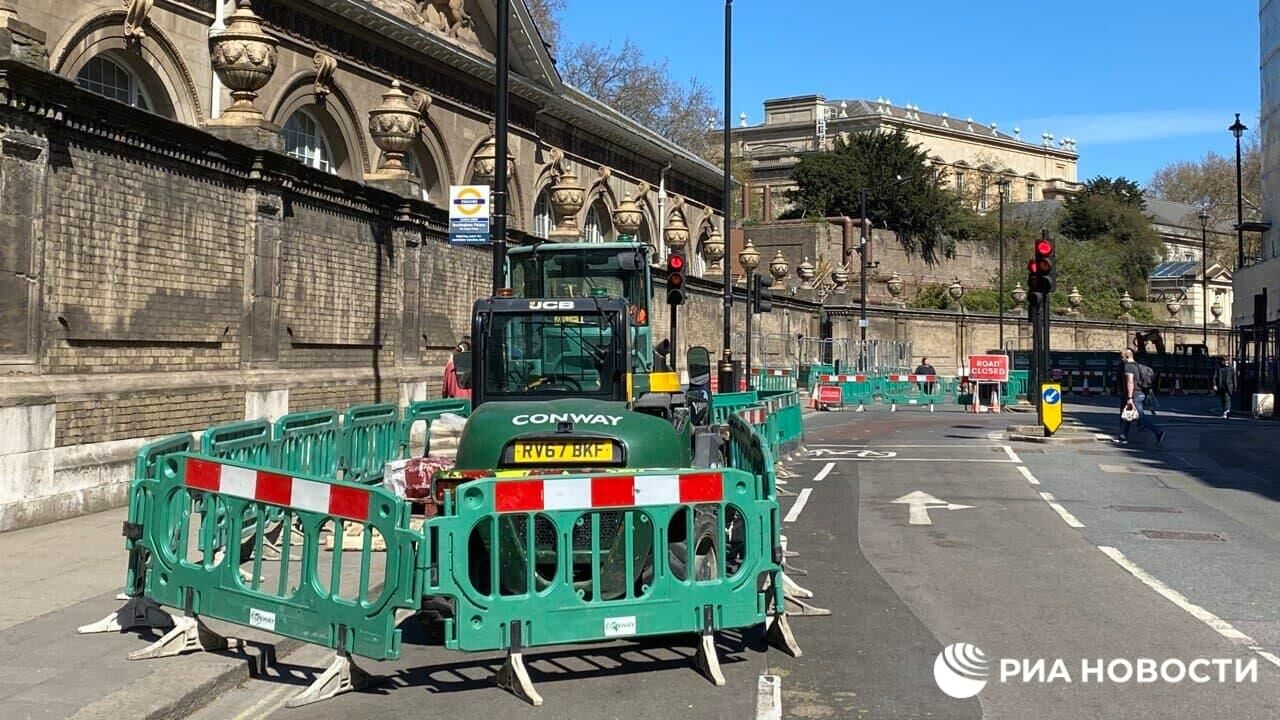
1266, 655
1057, 507
275, 699
769, 698
948, 445
1012, 455
910, 459
1027, 474
824, 472
920, 503
798, 507
1222, 627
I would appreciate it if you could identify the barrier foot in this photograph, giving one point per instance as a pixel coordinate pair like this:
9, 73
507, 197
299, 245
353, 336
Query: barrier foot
792, 569
514, 678
341, 676
804, 609
861, 408
893, 407
790, 588
777, 632
188, 635
138, 612
707, 661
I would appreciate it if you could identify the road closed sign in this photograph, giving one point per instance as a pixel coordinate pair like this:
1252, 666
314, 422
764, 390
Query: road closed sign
989, 368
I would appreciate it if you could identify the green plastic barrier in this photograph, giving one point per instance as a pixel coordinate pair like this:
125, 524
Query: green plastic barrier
1015, 388
370, 438
910, 389
248, 441
725, 404
428, 411
580, 573
303, 596
308, 442
145, 467
773, 379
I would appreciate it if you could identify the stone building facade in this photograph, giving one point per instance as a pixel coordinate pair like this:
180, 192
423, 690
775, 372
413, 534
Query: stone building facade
214, 211
971, 156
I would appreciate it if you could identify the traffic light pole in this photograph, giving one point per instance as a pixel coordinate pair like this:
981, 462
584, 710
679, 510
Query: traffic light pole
751, 310
499, 222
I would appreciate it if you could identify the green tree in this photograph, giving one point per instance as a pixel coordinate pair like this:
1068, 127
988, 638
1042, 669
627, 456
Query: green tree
1210, 182
904, 193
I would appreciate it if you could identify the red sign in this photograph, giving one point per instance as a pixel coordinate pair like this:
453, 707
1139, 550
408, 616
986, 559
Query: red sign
989, 368
829, 395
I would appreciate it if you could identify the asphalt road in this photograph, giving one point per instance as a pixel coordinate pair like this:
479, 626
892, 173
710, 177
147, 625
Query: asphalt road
1027, 552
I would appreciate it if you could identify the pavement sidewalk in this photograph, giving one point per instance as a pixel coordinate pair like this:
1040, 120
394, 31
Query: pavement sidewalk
55, 578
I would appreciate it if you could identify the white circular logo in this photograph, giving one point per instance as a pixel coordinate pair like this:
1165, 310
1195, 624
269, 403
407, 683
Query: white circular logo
961, 670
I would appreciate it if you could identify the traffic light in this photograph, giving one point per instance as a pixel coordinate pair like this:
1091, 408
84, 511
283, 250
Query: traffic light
762, 296
1042, 271
675, 277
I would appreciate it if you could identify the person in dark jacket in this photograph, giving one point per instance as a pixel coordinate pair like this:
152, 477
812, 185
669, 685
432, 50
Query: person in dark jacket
924, 368
1224, 384
1133, 395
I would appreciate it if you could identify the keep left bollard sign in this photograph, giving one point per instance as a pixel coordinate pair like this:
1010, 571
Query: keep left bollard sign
469, 214
1051, 406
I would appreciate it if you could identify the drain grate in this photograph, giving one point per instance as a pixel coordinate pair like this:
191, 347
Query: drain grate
1144, 509
1183, 535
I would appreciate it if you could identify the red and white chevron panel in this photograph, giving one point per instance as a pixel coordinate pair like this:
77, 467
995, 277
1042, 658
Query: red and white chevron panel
609, 491
913, 378
755, 416
772, 372
841, 378
276, 489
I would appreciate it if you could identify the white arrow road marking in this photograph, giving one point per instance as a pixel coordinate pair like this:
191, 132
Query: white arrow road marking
823, 452
920, 503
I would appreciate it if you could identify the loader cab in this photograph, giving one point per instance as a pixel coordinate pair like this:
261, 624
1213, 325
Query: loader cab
541, 349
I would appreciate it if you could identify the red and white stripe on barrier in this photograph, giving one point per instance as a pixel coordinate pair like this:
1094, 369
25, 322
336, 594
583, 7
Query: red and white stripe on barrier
772, 372
276, 489
755, 416
610, 491
841, 378
913, 378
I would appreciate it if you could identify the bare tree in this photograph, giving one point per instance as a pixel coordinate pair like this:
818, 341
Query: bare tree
643, 90
546, 15
1210, 182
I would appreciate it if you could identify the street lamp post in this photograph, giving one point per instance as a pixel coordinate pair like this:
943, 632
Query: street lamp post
726, 364
1204, 277
749, 259
503, 32
1003, 186
1237, 128
862, 267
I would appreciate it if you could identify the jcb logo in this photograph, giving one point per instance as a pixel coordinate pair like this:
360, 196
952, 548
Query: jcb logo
551, 305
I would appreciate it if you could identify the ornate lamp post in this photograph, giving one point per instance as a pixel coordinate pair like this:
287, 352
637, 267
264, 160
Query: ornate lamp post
1003, 186
1237, 129
749, 259
1204, 277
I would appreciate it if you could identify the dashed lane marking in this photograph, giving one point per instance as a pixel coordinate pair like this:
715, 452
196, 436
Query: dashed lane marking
1062, 511
1027, 474
1220, 626
798, 507
769, 698
1012, 455
1266, 655
824, 472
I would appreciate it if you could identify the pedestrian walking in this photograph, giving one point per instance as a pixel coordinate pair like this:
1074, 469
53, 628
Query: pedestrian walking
924, 368
1224, 384
1135, 382
452, 388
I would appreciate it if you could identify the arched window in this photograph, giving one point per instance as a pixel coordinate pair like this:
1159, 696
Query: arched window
304, 140
543, 220
597, 227
111, 79
419, 164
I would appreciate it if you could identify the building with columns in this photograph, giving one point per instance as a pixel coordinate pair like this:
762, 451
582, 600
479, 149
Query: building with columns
971, 155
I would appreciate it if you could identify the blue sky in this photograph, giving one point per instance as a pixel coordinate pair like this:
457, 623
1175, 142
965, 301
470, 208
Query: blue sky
1138, 83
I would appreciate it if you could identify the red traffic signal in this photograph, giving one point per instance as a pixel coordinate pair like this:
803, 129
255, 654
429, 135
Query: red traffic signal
675, 279
675, 263
1044, 247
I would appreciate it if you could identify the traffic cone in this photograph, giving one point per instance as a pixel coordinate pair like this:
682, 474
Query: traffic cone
1085, 390
1177, 386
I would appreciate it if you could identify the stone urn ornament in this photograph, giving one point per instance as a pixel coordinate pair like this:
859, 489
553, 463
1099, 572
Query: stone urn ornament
840, 278
485, 162
567, 197
1216, 310
749, 258
1126, 304
1019, 294
1074, 299
628, 217
393, 125
676, 233
713, 248
894, 285
1173, 306
244, 57
956, 290
805, 270
778, 266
